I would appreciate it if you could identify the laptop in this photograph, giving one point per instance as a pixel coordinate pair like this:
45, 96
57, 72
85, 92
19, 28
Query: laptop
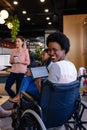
39, 72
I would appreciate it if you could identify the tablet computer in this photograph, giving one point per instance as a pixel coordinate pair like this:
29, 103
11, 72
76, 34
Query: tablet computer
38, 72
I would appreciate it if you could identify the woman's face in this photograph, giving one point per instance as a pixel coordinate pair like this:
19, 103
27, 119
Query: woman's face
19, 42
45, 56
55, 52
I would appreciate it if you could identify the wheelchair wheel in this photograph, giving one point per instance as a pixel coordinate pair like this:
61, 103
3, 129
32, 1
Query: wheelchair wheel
30, 120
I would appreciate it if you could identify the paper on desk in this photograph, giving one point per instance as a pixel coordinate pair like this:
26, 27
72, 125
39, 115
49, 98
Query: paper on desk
2, 67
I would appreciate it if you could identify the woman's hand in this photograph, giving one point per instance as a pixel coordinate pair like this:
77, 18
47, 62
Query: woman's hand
11, 61
37, 83
28, 73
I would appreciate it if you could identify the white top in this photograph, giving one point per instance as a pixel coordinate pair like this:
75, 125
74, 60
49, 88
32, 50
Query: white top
62, 72
48, 67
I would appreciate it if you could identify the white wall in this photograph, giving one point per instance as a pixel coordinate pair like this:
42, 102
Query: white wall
4, 50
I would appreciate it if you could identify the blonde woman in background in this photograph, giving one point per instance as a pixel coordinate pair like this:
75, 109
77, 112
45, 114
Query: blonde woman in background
19, 59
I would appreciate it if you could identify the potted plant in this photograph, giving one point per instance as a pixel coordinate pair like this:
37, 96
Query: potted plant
13, 23
38, 54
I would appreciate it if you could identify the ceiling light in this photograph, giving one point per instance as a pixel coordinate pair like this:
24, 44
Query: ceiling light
4, 14
46, 10
2, 21
40, 44
10, 25
28, 19
24, 12
49, 23
84, 22
15, 2
42, 0
47, 18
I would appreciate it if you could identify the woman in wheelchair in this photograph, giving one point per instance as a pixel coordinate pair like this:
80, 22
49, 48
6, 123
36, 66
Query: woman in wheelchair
61, 71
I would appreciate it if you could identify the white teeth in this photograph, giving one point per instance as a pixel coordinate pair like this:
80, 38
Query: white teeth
53, 57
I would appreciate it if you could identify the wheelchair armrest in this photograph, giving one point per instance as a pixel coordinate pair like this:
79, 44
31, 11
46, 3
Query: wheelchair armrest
28, 96
34, 102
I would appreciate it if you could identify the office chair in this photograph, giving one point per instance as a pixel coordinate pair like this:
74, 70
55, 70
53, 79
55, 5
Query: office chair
57, 104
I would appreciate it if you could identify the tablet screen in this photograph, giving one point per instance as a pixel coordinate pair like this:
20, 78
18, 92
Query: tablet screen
38, 72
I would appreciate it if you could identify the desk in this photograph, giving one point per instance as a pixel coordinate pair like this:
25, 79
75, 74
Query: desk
4, 73
3, 99
2, 68
3, 76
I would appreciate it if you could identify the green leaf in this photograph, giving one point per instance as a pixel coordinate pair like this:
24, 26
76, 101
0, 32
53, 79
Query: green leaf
16, 25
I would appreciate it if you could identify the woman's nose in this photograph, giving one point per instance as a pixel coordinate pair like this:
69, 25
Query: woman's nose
51, 52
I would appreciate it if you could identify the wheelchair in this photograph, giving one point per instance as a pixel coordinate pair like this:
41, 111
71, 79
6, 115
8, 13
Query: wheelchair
57, 104
77, 118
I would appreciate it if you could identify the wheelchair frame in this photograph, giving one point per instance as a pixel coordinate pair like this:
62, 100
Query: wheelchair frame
77, 123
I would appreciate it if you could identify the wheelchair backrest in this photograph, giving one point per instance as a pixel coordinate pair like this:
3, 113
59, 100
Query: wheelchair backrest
58, 102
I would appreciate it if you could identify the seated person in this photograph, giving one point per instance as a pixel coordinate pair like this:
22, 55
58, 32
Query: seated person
62, 70
46, 60
28, 83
